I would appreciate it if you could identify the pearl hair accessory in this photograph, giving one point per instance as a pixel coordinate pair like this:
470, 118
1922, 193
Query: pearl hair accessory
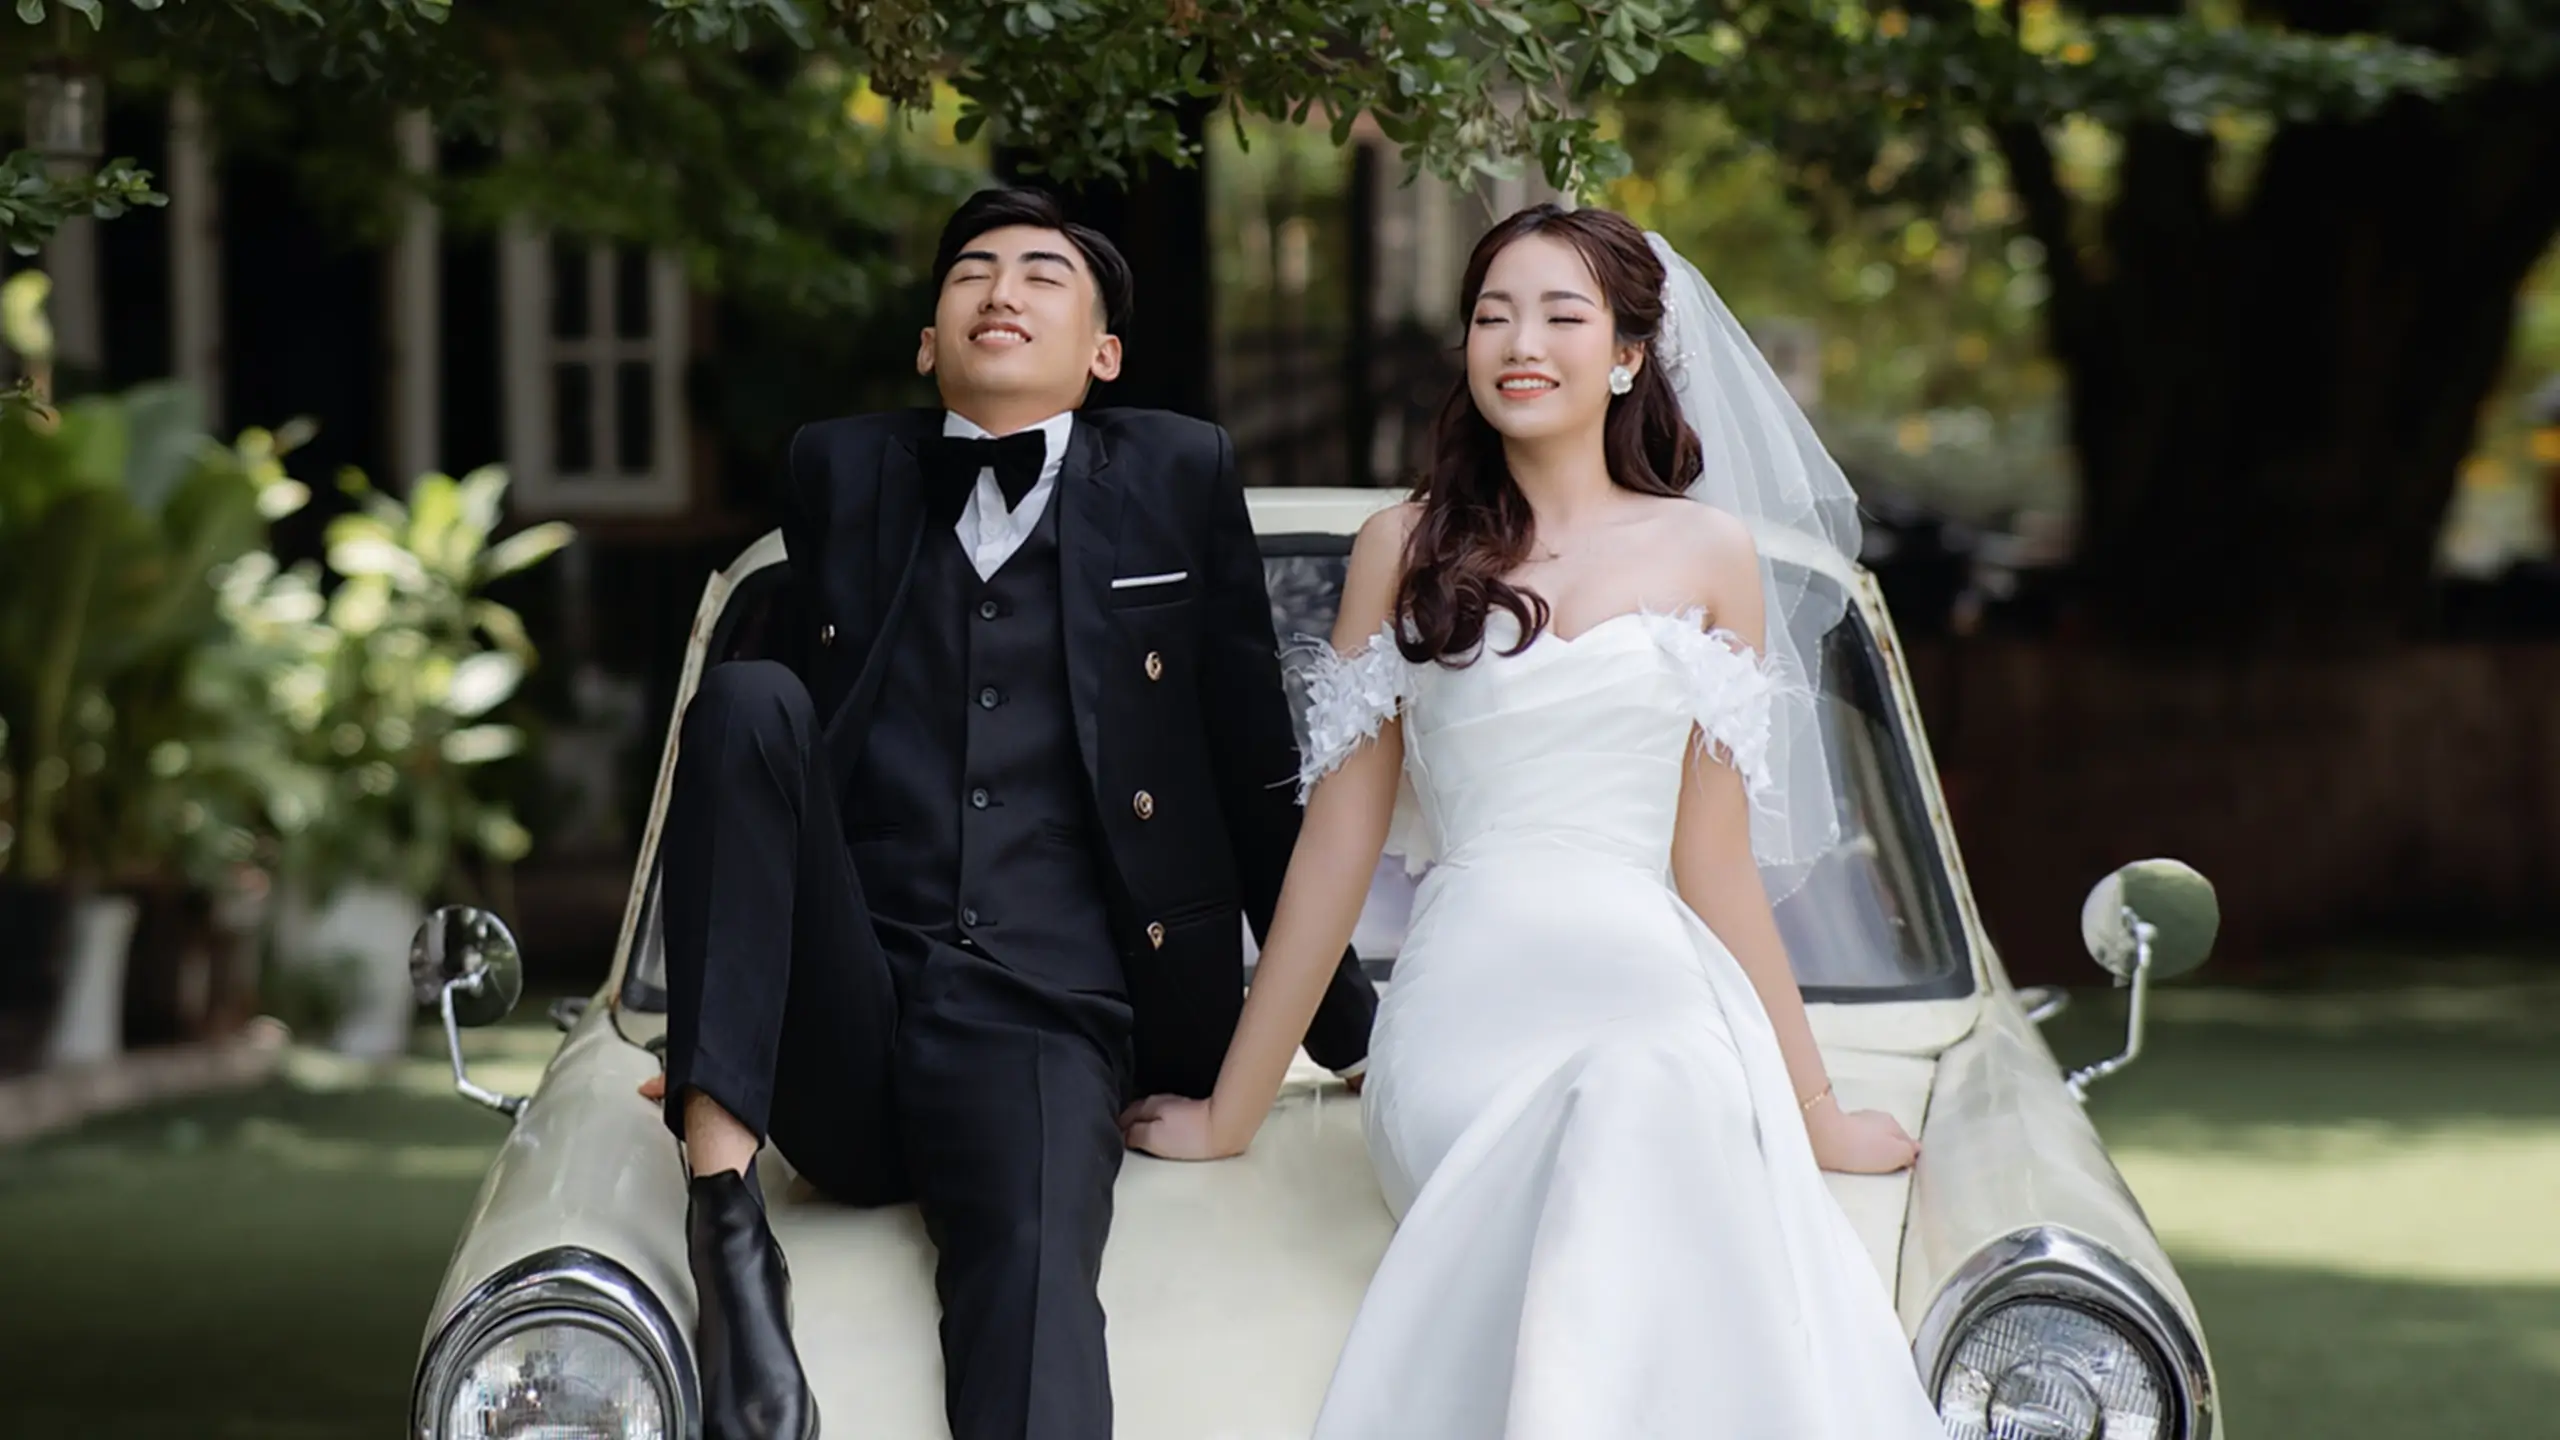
1668, 350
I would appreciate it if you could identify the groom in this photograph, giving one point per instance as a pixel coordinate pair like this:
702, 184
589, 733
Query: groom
948, 890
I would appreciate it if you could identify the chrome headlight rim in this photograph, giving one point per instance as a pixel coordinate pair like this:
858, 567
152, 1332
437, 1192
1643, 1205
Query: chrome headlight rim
567, 1284
2050, 1264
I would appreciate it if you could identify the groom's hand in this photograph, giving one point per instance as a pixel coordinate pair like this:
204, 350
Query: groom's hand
1174, 1128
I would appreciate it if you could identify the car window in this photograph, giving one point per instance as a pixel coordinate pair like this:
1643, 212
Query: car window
1877, 916
1875, 920
1304, 575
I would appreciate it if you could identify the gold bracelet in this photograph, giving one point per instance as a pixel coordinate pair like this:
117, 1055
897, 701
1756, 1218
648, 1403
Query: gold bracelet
1818, 1097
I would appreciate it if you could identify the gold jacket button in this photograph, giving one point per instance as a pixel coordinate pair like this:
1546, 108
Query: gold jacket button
826, 634
1144, 804
1155, 665
1155, 934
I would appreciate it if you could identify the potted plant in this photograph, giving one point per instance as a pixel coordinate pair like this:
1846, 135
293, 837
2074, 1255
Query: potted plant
115, 514
394, 693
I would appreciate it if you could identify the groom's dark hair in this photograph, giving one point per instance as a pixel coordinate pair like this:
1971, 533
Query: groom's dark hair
1021, 205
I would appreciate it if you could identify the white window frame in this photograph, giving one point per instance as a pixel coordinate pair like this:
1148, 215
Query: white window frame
528, 351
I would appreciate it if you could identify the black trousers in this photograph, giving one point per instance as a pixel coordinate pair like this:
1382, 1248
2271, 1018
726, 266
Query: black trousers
887, 1068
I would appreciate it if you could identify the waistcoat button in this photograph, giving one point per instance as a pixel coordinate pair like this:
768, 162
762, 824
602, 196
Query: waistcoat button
978, 798
1144, 804
988, 698
1155, 934
988, 610
1155, 665
826, 634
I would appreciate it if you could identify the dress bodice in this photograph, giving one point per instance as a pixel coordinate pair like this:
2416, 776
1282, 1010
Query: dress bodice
1573, 741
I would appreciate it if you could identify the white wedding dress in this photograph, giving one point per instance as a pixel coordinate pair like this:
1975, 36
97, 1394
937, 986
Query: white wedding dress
1611, 1226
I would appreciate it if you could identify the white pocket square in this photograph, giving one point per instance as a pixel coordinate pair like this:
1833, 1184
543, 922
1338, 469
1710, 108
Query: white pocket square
1132, 582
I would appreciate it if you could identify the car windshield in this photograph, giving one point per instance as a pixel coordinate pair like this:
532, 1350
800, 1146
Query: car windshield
1874, 921
1876, 918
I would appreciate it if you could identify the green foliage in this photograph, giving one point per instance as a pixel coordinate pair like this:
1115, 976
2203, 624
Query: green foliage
713, 125
1888, 106
1928, 317
381, 698
34, 202
115, 513
1465, 88
172, 701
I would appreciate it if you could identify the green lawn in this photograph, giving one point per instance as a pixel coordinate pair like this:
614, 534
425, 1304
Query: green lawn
2363, 1191
248, 1267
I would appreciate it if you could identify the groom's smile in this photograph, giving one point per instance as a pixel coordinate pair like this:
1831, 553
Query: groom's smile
999, 335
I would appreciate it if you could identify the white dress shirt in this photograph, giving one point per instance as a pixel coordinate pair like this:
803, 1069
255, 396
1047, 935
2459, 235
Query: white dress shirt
986, 530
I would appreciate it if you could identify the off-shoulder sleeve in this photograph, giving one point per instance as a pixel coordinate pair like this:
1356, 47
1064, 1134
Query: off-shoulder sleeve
1349, 697
1732, 692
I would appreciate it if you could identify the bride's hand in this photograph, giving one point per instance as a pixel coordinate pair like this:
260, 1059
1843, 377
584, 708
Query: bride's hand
1859, 1142
1174, 1128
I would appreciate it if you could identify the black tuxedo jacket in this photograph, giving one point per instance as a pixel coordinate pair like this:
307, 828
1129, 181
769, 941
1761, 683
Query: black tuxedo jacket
1179, 712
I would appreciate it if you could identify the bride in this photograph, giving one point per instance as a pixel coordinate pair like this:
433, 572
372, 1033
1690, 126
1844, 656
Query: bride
1593, 1099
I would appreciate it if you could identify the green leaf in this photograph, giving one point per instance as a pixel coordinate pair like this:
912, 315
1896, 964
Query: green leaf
501, 838
360, 606
279, 498
483, 682
480, 744
1706, 49
525, 549
435, 511
503, 626
31, 11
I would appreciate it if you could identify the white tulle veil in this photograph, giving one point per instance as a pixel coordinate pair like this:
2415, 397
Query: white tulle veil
1765, 464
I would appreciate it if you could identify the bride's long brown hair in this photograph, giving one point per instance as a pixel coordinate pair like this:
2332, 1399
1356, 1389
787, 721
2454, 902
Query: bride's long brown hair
1475, 524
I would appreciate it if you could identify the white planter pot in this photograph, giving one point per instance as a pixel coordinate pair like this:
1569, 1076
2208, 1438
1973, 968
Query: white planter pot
371, 925
88, 1026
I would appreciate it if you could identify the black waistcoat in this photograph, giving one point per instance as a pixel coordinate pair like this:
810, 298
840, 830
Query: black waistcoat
971, 820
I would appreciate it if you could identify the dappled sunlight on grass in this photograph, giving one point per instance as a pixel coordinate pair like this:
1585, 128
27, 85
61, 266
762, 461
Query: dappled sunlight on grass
2309, 1355
255, 1265
2361, 1188
2362, 1191
2454, 1207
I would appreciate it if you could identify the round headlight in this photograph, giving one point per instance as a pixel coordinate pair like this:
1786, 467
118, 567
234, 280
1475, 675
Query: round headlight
563, 1345
558, 1377
2041, 1370
2045, 1335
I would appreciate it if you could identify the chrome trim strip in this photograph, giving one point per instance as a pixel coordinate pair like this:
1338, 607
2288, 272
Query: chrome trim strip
566, 1278
2049, 1262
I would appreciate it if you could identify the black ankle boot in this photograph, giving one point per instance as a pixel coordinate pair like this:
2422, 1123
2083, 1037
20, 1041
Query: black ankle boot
752, 1385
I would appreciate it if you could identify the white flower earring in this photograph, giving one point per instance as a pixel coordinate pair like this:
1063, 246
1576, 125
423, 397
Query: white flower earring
1621, 379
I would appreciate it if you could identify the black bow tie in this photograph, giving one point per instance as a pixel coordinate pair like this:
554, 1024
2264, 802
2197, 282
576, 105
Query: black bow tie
1016, 458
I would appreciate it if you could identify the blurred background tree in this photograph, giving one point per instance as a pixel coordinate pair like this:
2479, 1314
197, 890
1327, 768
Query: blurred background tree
2281, 245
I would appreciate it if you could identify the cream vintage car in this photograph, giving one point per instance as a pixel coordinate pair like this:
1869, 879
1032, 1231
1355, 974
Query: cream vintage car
2037, 1300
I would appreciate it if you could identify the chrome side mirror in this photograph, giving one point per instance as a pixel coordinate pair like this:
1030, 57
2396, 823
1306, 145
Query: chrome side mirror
2151, 920
464, 962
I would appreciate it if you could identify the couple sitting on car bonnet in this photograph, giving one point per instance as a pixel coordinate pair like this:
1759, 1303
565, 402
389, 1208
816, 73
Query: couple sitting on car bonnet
951, 888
